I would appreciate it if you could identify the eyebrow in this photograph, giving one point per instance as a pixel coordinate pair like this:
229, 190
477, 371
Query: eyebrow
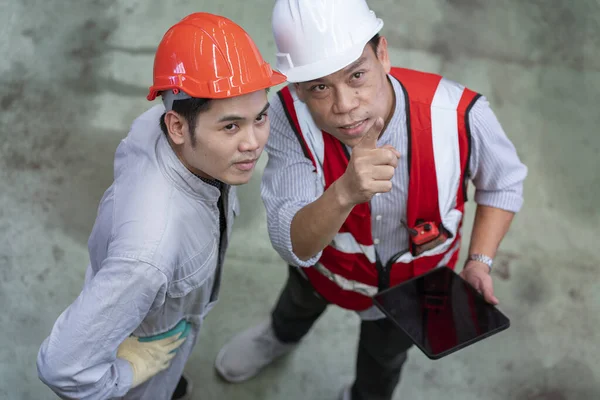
346, 70
233, 118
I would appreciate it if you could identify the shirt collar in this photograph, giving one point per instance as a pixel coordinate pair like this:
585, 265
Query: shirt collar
398, 113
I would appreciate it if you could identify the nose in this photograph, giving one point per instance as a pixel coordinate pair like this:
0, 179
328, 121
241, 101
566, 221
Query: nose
345, 100
250, 141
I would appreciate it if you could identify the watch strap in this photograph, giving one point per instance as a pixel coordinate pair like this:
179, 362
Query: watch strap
482, 258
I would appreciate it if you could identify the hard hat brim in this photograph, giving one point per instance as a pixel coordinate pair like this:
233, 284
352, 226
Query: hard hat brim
276, 78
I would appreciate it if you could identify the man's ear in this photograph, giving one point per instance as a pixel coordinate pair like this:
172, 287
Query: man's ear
383, 55
176, 127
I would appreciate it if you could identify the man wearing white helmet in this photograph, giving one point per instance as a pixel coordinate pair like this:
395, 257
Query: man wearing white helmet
366, 184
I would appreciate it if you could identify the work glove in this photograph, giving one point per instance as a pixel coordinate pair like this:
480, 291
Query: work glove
148, 358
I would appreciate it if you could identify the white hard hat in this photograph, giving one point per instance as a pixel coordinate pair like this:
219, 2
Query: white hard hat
315, 38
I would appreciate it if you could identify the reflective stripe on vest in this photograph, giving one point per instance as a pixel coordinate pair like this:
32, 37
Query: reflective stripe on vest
437, 125
369, 290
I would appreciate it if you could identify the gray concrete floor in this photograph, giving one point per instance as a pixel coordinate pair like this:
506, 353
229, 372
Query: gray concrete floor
73, 75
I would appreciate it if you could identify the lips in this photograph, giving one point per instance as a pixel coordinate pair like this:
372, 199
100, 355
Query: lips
246, 165
248, 161
354, 129
354, 125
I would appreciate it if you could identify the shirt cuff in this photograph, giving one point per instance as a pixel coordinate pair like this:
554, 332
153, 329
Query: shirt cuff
125, 377
505, 200
286, 215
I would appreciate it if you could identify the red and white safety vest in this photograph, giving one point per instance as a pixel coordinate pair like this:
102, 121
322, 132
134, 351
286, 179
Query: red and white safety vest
348, 273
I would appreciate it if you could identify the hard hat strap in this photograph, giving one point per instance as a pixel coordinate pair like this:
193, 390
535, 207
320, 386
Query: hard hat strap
169, 96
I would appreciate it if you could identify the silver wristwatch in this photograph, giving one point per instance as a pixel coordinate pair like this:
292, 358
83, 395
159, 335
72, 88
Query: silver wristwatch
482, 258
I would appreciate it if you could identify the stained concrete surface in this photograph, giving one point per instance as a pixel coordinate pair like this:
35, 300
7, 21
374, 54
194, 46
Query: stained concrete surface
73, 75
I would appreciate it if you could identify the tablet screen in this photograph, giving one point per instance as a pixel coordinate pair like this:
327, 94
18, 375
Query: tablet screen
441, 312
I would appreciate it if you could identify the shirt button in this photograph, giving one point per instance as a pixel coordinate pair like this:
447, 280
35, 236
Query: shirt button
378, 218
376, 241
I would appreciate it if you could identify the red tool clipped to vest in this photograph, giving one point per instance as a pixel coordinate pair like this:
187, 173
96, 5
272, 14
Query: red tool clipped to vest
426, 235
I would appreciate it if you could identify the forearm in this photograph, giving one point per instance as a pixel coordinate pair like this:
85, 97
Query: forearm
315, 225
498, 175
62, 377
490, 226
72, 366
78, 357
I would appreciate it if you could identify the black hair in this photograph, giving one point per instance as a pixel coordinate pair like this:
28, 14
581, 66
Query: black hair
374, 42
189, 109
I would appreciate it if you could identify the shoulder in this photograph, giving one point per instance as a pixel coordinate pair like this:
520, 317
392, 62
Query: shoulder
149, 118
143, 200
428, 87
283, 132
142, 131
277, 107
140, 217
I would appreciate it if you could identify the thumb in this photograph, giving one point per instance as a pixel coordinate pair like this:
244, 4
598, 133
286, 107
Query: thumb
369, 141
488, 292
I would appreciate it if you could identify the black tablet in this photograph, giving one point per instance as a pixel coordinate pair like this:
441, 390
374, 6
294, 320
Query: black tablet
440, 312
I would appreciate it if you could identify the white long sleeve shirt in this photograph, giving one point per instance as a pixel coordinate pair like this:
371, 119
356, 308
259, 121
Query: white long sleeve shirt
154, 255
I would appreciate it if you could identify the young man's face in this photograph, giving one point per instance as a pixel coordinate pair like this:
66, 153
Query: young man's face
229, 137
348, 101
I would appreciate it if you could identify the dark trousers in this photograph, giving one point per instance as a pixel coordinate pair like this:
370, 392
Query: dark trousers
381, 347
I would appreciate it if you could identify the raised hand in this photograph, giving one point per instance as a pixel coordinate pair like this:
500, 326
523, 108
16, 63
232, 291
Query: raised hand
370, 169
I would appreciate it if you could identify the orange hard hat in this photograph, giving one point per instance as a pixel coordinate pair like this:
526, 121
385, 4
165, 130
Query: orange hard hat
209, 56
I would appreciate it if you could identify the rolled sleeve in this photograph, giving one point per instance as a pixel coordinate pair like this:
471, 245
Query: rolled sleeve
284, 241
289, 183
78, 359
496, 170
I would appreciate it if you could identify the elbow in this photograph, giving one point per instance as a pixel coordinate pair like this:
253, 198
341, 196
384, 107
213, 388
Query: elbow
282, 234
507, 200
290, 254
52, 374
303, 252
55, 371
302, 258
300, 255
65, 377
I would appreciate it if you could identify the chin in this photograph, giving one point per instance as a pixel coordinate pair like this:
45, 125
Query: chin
237, 179
351, 142
346, 139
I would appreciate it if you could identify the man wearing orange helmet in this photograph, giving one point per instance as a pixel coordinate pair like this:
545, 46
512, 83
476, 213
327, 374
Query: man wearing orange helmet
157, 246
366, 184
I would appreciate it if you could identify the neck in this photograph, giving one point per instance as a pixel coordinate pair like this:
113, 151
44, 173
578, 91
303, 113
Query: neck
391, 99
178, 150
